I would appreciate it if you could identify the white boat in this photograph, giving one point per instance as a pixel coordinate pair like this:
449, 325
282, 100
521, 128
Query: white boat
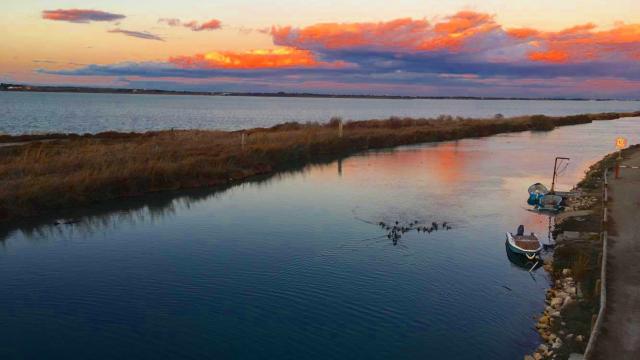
527, 245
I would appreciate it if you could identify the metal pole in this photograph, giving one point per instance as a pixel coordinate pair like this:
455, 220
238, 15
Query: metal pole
555, 168
553, 180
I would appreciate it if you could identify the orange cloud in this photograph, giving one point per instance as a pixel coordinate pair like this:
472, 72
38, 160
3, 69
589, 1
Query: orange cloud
401, 34
582, 43
254, 59
522, 33
553, 56
396, 33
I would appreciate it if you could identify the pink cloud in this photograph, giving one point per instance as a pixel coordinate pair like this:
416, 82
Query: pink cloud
80, 15
213, 24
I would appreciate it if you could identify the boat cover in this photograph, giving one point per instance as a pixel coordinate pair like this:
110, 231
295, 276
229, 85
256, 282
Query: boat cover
538, 188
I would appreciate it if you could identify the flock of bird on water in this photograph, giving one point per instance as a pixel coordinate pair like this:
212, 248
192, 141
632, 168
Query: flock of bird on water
396, 230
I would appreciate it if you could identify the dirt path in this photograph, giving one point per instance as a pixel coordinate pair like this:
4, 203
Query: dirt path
620, 338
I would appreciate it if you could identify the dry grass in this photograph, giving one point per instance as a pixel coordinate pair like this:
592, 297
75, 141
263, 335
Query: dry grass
74, 170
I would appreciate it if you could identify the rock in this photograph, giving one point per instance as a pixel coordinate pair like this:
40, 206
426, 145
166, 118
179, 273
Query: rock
554, 314
572, 291
529, 357
552, 337
544, 320
566, 272
537, 356
557, 343
567, 301
570, 235
569, 337
542, 326
543, 348
557, 302
579, 338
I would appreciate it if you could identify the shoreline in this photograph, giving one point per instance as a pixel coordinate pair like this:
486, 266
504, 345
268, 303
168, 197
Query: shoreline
51, 172
133, 91
573, 300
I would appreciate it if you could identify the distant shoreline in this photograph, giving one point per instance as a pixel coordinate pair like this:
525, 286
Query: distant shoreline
126, 91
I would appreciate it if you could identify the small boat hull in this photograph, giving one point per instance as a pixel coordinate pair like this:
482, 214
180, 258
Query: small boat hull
520, 260
528, 246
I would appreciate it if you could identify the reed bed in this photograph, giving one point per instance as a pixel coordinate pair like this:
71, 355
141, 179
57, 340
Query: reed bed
57, 171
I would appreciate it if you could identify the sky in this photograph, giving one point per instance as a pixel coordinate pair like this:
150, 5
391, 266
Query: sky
541, 48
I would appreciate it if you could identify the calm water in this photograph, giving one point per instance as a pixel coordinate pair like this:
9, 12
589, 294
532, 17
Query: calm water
290, 268
79, 113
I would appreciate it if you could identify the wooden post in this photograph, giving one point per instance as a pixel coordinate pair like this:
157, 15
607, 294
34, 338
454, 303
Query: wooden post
340, 128
243, 140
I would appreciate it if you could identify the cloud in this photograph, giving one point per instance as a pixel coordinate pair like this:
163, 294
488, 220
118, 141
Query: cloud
400, 35
582, 43
213, 24
170, 21
80, 15
254, 59
137, 34
467, 51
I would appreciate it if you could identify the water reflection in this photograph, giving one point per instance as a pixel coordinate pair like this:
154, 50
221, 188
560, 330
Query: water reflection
148, 209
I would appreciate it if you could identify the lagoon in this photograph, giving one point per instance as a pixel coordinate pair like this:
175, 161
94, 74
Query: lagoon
293, 266
33, 112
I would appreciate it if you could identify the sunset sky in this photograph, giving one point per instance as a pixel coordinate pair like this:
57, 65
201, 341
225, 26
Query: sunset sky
542, 48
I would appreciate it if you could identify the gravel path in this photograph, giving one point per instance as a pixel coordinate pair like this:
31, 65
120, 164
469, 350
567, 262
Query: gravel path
620, 338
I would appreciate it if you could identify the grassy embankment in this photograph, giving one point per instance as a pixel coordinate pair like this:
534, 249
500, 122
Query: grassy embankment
71, 170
